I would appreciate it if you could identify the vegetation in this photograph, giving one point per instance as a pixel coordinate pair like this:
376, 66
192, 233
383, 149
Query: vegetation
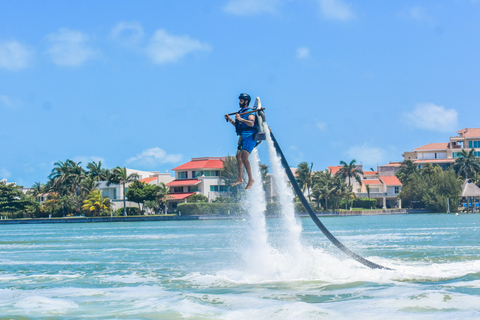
119, 175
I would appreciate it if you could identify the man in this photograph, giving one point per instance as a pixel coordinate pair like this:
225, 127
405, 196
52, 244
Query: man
246, 129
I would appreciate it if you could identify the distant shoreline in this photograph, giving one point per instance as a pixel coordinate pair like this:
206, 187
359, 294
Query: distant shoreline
200, 217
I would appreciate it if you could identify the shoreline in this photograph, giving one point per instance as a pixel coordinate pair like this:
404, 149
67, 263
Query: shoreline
200, 217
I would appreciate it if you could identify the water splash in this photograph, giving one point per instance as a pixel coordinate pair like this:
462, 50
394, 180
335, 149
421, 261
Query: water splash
286, 196
258, 252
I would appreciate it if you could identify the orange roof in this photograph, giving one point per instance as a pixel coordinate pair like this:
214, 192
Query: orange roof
434, 161
183, 182
394, 164
370, 172
434, 146
201, 163
391, 180
148, 180
470, 132
371, 181
179, 196
334, 169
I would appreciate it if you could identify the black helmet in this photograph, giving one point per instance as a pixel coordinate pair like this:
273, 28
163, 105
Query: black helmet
245, 96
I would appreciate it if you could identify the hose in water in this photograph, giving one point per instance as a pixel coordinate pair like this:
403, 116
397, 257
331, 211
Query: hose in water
313, 215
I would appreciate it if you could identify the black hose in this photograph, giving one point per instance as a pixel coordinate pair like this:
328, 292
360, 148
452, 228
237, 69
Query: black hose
313, 215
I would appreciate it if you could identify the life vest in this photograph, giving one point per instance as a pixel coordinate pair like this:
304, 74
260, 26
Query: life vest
241, 127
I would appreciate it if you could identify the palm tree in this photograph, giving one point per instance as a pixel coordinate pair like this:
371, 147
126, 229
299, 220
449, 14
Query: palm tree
304, 177
95, 203
406, 169
96, 171
350, 171
120, 176
88, 185
466, 163
162, 196
37, 188
66, 176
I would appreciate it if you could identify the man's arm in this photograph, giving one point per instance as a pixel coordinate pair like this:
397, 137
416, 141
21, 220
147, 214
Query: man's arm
250, 122
227, 117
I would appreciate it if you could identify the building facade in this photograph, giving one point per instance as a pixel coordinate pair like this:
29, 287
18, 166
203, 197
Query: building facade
445, 153
198, 176
115, 191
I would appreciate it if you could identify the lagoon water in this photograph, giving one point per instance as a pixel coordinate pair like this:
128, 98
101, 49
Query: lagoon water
214, 269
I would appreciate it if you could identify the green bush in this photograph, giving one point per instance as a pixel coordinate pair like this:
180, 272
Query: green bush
201, 208
349, 204
131, 211
365, 203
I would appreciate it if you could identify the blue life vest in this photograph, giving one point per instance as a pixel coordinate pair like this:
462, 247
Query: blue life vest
243, 129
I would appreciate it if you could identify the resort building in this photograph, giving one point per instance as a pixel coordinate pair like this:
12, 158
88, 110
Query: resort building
445, 153
200, 175
381, 185
115, 191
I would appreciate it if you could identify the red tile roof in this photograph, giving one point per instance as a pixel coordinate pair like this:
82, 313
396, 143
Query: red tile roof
391, 180
470, 132
371, 181
148, 180
394, 164
183, 182
434, 161
370, 172
334, 169
434, 146
201, 163
179, 196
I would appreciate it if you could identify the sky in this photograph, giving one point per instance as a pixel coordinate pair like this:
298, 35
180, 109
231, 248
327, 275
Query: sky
145, 84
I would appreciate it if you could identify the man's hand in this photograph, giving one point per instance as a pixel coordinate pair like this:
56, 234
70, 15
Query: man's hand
227, 117
237, 117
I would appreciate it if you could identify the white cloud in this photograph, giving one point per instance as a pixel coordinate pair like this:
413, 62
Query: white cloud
320, 125
14, 55
8, 101
165, 47
432, 117
303, 53
4, 173
69, 47
367, 155
418, 13
336, 10
249, 7
153, 157
128, 34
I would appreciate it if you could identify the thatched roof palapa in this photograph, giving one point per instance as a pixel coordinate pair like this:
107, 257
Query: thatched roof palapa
469, 189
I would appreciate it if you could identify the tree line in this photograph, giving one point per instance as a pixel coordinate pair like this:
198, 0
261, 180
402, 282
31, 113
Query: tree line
71, 190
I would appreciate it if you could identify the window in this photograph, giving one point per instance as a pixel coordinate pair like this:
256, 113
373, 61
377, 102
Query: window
182, 175
211, 173
193, 189
397, 190
219, 188
177, 189
474, 144
197, 173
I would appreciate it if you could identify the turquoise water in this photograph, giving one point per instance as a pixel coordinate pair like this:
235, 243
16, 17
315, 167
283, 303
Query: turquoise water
211, 269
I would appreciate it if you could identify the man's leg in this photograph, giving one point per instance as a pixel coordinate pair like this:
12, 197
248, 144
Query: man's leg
240, 168
246, 162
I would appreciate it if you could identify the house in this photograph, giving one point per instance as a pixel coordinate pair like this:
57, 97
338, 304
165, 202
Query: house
115, 191
200, 175
381, 184
445, 153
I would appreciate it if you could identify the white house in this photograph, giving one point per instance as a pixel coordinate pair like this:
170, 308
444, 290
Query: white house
115, 191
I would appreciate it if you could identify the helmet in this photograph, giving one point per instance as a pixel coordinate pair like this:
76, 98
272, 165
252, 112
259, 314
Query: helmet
245, 96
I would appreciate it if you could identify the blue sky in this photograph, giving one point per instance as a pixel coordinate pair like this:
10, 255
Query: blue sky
145, 84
